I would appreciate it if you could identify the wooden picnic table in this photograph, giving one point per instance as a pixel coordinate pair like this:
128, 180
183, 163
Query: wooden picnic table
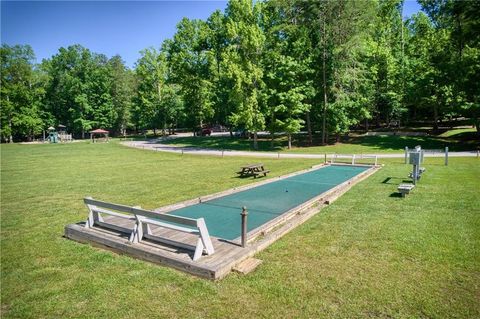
253, 170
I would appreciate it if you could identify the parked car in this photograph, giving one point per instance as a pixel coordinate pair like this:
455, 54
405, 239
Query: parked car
243, 133
219, 128
204, 132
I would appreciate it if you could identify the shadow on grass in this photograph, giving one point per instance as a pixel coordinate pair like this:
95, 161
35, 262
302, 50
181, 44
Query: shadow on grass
396, 195
427, 142
394, 143
227, 143
395, 180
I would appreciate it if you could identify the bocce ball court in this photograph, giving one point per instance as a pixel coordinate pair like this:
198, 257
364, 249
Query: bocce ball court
203, 236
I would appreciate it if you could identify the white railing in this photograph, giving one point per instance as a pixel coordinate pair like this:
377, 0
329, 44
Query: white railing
353, 158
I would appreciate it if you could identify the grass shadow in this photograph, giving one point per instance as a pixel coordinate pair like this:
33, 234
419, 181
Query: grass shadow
396, 195
374, 143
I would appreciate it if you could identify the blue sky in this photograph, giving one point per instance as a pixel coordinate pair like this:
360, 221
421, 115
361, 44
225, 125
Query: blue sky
108, 27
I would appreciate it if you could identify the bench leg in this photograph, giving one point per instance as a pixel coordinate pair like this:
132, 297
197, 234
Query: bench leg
198, 250
133, 236
89, 221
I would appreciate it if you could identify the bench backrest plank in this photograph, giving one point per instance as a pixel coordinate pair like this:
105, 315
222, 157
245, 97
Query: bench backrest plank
147, 213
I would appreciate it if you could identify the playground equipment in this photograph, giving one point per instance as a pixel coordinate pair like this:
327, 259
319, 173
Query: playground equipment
61, 135
52, 135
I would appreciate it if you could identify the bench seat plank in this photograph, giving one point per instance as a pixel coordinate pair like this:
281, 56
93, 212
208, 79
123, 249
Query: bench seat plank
170, 226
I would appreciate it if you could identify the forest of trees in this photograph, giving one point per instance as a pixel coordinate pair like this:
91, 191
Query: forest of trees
274, 65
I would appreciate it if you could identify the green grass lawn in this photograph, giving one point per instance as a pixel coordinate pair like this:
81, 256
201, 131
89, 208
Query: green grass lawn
459, 132
358, 145
370, 254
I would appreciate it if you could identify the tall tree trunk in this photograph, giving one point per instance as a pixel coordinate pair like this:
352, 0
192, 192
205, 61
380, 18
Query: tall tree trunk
309, 129
272, 130
289, 141
324, 120
366, 125
10, 136
255, 140
83, 133
435, 117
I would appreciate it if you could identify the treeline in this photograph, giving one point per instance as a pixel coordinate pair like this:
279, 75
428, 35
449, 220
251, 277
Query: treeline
276, 65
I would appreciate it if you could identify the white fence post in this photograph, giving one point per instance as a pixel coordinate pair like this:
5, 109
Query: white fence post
446, 156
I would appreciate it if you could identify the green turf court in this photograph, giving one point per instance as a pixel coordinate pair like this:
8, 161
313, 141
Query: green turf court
267, 201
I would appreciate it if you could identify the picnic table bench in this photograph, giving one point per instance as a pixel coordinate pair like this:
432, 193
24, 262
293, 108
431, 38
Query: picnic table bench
253, 170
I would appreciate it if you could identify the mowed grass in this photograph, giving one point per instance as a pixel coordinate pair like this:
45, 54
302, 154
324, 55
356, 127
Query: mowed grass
370, 254
353, 145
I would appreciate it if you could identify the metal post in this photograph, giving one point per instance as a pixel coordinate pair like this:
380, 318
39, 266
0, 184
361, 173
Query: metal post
446, 156
376, 160
414, 174
406, 154
478, 154
353, 159
325, 161
244, 215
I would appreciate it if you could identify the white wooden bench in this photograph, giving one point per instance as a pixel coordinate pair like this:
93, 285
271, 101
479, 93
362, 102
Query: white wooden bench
142, 219
405, 189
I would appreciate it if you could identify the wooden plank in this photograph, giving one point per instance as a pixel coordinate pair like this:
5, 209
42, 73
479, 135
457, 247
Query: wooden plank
173, 227
247, 266
139, 251
138, 211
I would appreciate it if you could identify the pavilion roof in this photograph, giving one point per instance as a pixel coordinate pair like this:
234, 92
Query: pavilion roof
99, 130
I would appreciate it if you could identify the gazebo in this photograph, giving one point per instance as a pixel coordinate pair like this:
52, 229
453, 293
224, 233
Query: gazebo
100, 132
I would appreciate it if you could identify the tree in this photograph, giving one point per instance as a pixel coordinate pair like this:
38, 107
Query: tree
339, 31
242, 60
21, 93
122, 92
456, 60
189, 61
216, 43
151, 71
79, 89
286, 61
